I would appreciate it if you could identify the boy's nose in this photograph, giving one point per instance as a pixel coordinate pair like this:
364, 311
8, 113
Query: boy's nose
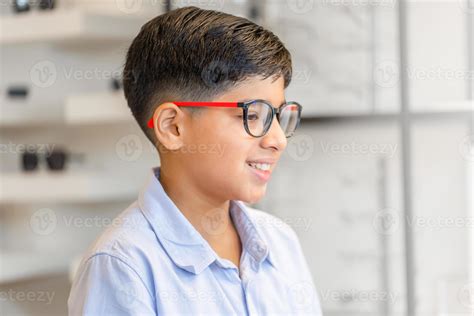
275, 137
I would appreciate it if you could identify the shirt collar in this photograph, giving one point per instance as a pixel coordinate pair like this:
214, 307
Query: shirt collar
183, 243
249, 232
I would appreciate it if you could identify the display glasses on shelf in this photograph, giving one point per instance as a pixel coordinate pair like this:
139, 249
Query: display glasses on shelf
20, 6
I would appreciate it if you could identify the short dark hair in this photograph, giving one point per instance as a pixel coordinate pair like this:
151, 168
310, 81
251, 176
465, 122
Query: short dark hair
192, 54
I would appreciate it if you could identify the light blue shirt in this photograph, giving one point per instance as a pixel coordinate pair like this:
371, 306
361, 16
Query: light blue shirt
152, 261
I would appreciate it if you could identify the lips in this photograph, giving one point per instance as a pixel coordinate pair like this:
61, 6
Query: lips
261, 168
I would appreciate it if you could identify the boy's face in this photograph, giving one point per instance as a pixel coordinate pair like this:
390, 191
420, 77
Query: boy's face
216, 151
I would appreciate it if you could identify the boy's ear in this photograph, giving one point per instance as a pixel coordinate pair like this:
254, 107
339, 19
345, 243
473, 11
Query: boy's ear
169, 125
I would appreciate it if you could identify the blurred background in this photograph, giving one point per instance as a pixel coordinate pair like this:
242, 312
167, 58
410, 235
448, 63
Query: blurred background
377, 182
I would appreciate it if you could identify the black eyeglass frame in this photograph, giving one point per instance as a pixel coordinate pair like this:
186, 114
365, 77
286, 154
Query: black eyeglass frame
275, 112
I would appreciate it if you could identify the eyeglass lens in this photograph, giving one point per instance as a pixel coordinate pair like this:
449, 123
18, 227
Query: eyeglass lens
260, 116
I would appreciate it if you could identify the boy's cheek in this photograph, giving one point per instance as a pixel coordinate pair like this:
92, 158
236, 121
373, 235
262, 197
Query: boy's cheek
229, 179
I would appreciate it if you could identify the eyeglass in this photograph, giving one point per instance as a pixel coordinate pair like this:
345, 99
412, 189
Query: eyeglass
20, 6
258, 115
55, 160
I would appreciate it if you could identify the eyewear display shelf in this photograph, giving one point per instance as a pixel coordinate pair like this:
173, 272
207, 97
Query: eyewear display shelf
70, 30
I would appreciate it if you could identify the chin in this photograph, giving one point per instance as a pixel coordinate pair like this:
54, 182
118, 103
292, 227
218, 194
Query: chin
254, 197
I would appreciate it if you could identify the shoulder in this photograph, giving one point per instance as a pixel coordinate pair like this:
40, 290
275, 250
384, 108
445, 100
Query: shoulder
116, 265
113, 276
128, 238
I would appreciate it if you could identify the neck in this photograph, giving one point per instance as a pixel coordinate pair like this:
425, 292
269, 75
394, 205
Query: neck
208, 214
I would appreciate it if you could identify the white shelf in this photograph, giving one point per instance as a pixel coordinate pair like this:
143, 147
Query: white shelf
105, 107
68, 186
71, 26
97, 108
445, 107
17, 266
19, 114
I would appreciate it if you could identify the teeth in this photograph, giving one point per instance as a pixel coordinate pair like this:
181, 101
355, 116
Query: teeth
260, 166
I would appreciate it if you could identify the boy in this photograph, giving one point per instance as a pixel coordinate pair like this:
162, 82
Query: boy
196, 80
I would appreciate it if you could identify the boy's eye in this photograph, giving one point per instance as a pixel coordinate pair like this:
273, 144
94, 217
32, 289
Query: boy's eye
252, 116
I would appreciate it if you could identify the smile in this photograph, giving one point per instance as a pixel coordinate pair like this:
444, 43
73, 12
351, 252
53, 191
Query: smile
262, 170
260, 166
